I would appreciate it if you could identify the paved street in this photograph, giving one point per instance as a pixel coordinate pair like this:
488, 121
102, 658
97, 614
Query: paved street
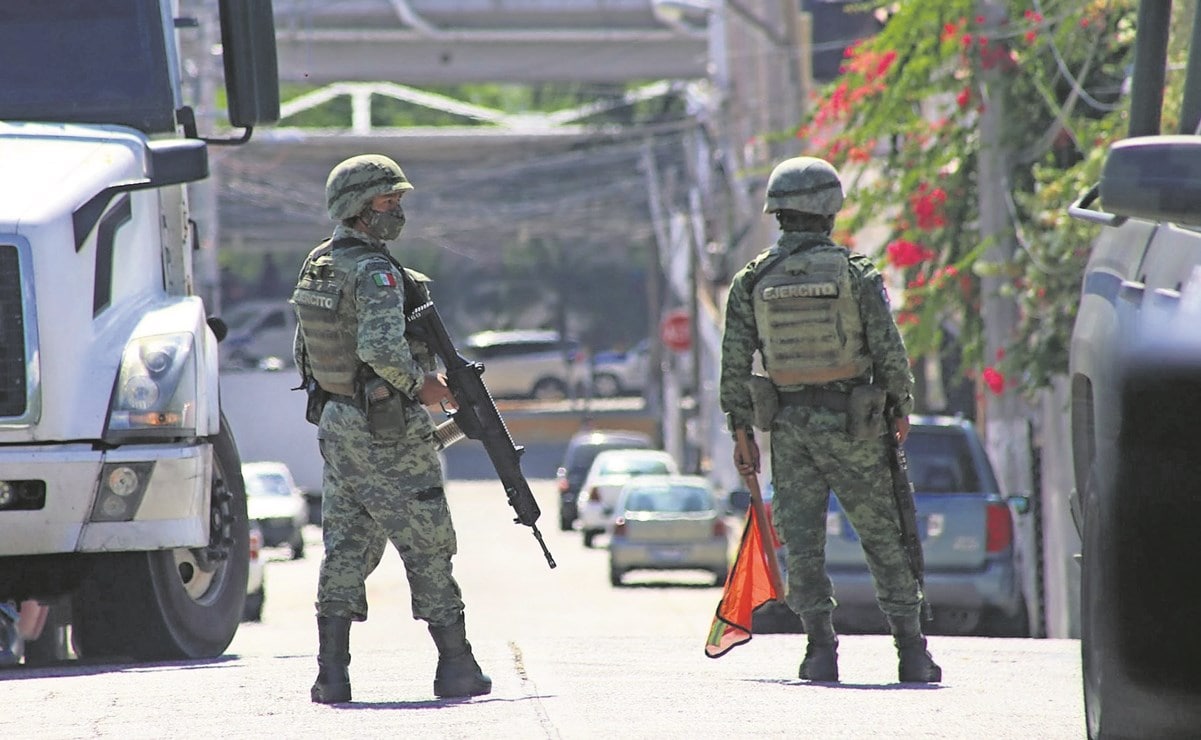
570, 657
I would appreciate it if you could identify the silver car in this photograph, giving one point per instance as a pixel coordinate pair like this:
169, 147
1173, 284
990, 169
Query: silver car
530, 364
669, 523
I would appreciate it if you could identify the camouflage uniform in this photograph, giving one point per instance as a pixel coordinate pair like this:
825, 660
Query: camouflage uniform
812, 452
388, 485
817, 347
382, 477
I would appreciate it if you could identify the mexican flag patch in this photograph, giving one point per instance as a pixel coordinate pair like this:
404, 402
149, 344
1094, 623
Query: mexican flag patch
384, 279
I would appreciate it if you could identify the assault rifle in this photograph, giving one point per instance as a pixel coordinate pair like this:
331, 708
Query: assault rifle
902, 494
477, 418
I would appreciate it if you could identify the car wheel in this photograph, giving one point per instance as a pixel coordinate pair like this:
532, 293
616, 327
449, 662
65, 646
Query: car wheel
605, 385
1096, 612
615, 577
720, 576
550, 389
297, 545
566, 523
253, 610
589, 536
999, 624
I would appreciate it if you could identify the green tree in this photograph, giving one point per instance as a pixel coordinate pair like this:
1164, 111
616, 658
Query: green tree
901, 124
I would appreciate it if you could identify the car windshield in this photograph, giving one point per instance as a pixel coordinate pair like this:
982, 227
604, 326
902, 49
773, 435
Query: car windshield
940, 462
267, 484
669, 499
634, 466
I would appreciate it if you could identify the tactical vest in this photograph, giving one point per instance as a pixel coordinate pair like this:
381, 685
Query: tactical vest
809, 326
324, 303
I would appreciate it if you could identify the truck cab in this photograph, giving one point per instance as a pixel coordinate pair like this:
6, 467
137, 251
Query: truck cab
121, 498
1135, 371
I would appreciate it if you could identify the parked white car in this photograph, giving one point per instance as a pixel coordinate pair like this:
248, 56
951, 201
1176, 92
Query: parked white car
256, 590
277, 504
609, 472
530, 364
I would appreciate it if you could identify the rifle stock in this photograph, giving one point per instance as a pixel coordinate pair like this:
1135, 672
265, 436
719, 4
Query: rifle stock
902, 494
477, 418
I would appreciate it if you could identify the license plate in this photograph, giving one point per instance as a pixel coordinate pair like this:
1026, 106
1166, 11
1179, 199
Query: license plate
668, 554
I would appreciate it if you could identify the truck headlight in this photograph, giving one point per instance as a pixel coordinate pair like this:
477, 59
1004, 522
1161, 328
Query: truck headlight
156, 388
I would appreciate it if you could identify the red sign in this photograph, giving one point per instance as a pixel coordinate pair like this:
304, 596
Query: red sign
676, 330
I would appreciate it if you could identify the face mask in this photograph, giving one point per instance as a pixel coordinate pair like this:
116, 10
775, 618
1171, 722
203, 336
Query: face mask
385, 225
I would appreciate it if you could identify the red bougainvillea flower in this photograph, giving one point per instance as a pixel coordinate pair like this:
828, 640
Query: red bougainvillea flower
927, 206
994, 380
904, 253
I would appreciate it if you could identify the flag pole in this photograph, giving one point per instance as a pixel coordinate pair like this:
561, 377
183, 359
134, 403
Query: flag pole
765, 535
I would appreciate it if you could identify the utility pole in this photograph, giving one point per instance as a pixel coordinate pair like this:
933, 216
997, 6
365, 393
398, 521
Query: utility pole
1005, 421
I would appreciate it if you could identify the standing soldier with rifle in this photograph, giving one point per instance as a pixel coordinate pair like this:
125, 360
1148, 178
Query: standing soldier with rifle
368, 382
819, 317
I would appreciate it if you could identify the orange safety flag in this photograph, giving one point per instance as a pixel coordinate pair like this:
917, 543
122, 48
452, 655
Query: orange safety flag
748, 587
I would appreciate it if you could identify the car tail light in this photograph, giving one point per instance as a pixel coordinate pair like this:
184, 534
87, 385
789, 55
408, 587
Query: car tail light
561, 475
719, 528
1000, 528
594, 494
619, 527
256, 543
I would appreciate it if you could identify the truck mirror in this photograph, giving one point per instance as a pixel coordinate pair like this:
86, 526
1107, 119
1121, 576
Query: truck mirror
1157, 178
251, 67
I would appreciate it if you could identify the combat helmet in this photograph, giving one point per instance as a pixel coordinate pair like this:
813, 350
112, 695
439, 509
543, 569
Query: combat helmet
805, 184
352, 183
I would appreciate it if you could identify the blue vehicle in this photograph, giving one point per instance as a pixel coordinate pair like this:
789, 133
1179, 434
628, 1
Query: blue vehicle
973, 580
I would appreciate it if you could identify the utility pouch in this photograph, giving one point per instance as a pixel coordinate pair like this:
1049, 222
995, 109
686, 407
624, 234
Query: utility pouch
865, 412
765, 401
317, 397
384, 406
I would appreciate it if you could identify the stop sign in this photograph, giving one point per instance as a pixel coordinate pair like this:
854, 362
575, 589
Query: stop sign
675, 330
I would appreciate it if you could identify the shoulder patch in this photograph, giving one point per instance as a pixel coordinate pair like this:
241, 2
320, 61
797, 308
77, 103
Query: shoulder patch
384, 279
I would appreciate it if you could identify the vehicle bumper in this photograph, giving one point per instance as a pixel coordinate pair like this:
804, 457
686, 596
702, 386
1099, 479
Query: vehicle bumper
174, 511
995, 587
712, 555
277, 531
594, 516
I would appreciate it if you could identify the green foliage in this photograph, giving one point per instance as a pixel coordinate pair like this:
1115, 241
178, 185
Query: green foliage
902, 122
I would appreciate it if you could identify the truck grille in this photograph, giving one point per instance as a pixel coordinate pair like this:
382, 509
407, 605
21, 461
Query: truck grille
12, 335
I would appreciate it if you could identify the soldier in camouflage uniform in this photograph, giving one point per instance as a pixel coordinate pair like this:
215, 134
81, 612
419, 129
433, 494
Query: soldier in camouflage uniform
382, 475
819, 316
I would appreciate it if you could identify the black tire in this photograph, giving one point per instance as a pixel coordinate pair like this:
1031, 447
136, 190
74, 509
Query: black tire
53, 645
720, 576
606, 385
589, 537
172, 604
297, 545
565, 523
998, 624
253, 611
549, 389
615, 577
1096, 610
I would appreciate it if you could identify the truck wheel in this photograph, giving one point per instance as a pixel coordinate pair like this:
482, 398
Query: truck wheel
1097, 594
173, 604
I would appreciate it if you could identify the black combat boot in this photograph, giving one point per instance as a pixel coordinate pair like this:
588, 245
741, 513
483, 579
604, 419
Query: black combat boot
458, 674
333, 658
821, 654
916, 665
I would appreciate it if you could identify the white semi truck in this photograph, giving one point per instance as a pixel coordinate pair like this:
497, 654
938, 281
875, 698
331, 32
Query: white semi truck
121, 498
